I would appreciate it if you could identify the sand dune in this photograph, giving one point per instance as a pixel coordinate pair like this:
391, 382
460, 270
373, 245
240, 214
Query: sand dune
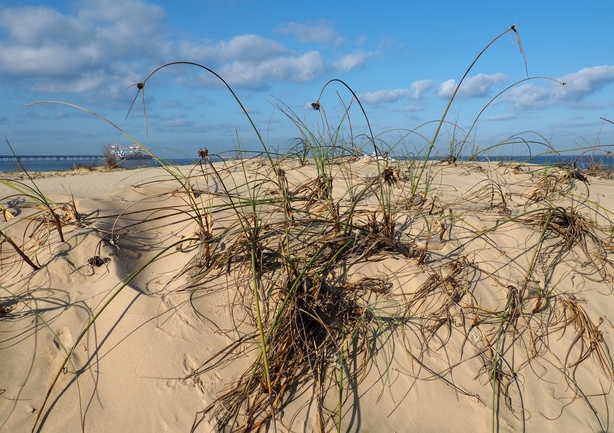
476, 298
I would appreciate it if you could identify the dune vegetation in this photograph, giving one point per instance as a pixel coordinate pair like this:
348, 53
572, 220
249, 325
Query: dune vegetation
343, 284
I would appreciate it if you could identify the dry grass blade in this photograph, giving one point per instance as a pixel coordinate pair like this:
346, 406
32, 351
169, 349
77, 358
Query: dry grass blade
19, 251
568, 229
588, 340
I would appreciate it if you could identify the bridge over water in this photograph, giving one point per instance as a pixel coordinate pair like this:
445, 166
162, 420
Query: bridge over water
9, 158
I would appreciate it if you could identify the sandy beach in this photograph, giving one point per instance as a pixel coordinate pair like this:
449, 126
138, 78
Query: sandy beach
354, 296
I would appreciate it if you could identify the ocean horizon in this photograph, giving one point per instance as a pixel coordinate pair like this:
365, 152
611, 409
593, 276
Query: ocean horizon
581, 161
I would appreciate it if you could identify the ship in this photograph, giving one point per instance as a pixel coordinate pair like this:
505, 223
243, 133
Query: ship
131, 152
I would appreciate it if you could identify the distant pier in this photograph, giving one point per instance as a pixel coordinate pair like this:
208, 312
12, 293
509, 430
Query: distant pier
14, 158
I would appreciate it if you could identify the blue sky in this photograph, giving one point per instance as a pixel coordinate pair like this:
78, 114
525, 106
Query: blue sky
402, 59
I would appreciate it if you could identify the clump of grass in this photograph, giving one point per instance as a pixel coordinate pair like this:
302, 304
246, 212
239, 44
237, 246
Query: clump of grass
110, 161
587, 336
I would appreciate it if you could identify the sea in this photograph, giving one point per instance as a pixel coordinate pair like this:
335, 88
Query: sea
581, 161
62, 165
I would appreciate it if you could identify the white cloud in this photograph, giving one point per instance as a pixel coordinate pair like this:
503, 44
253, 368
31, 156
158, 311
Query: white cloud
351, 61
43, 42
250, 47
419, 87
322, 33
385, 96
528, 96
578, 85
477, 86
41, 61
415, 91
110, 83
34, 26
109, 41
243, 48
481, 84
253, 61
446, 89
298, 68
99, 48
584, 82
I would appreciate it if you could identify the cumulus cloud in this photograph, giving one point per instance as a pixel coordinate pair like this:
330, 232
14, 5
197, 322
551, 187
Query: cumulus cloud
415, 91
578, 86
446, 89
44, 42
106, 41
252, 61
351, 61
248, 60
322, 33
384, 96
36, 25
252, 48
585, 82
528, 96
99, 48
418, 88
110, 82
298, 68
474, 87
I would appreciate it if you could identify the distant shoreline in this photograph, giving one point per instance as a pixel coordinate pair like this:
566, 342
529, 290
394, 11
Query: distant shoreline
75, 167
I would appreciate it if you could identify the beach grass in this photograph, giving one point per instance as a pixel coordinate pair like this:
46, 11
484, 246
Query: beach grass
337, 262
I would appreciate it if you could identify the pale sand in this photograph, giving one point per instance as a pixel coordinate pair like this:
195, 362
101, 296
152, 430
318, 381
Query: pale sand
135, 364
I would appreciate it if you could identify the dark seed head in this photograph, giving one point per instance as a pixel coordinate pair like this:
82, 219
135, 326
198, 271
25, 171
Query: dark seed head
316, 105
95, 261
203, 153
4, 310
390, 176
